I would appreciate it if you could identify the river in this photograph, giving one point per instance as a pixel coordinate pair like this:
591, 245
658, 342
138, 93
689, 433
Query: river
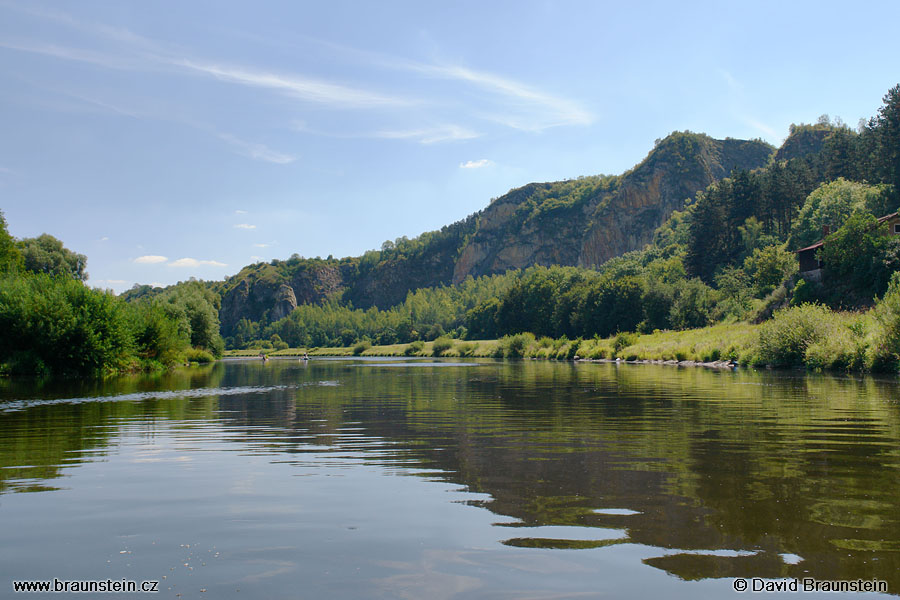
428, 478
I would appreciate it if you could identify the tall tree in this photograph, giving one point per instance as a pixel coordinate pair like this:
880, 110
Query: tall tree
888, 127
10, 257
46, 254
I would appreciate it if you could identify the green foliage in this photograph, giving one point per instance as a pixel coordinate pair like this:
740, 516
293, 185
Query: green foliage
623, 340
10, 258
783, 341
440, 346
46, 254
694, 305
60, 326
515, 346
884, 354
414, 348
860, 253
768, 267
361, 347
198, 355
831, 204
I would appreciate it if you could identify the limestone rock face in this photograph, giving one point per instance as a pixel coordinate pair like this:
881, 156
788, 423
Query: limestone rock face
607, 217
582, 222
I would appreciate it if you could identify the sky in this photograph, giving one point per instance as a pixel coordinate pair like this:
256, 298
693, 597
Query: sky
167, 140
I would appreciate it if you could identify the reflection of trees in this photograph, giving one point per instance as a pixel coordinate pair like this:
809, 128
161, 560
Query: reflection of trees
712, 461
40, 440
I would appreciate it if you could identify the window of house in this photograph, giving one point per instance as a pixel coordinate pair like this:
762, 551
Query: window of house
896, 228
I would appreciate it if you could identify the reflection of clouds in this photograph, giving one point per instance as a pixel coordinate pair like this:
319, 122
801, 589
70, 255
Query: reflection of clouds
429, 577
426, 581
279, 567
159, 455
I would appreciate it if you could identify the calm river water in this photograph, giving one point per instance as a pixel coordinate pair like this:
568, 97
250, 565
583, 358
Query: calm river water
421, 479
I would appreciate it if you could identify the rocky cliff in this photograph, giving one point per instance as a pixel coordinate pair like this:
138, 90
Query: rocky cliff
590, 220
583, 221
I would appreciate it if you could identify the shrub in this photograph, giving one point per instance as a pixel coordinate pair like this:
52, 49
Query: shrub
623, 340
361, 347
198, 355
414, 348
440, 346
467, 349
515, 346
783, 341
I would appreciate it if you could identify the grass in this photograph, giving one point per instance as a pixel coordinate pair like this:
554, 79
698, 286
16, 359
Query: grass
718, 342
810, 336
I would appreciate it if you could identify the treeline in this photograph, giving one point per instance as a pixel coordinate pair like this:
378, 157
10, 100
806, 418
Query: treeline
51, 323
426, 314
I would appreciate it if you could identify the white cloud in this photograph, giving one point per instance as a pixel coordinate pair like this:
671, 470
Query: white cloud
240, 212
475, 164
193, 262
150, 259
257, 151
112, 281
244, 226
444, 133
303, 88
105, 238
538, 109
261, 245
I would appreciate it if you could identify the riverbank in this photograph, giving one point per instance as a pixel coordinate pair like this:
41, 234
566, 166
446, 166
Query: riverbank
807, 336
712, 346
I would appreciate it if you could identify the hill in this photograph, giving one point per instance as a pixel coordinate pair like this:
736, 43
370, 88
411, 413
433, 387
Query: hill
577, 222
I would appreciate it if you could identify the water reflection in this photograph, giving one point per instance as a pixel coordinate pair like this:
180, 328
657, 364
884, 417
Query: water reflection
698, 474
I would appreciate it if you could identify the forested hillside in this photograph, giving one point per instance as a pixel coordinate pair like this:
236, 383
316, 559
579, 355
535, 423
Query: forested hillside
583, 222
722, 252
701, 231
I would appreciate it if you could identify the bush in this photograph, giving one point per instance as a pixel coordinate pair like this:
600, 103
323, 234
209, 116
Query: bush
414, 348
440, 346
784, 340
515, 346
361, 347
884, 353
467, 349
198, 355
623, 340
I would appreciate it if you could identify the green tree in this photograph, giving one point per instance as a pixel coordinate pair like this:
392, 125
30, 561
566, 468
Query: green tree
831, 204
10, 257
46, 254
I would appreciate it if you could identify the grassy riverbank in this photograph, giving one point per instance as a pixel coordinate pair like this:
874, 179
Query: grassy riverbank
701, 345
810, 336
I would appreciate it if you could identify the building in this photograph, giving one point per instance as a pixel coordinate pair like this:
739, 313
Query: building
810, 265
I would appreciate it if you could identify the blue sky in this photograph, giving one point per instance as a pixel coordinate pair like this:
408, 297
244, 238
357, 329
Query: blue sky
168, 140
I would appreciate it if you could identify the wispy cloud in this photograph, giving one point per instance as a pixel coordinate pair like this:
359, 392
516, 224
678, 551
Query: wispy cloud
432, 135
193, 262
240, 212
475, 164
99, 59
244, 226
543, 110
302, 88
262, 245
105, 238
150, 259
257, 151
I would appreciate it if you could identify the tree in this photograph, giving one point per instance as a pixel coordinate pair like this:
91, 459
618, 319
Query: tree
46, 254
831, 204
888, 126
10, 257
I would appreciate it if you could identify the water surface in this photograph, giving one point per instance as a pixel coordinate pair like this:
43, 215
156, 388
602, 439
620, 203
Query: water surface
471, 479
